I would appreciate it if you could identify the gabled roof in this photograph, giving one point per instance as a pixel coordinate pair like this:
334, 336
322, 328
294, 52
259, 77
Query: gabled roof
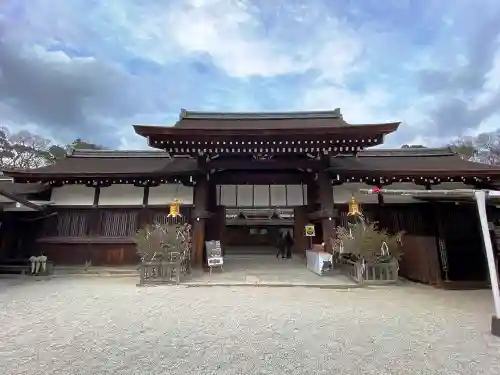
260, 120
99, 163
248, 123
410, 162
198, 115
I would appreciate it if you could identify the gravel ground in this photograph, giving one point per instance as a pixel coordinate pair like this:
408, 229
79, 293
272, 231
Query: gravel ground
109, 326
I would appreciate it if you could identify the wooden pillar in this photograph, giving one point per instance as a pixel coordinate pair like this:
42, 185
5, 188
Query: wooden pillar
442, 252
379, 213
312, 206
301, 220
211, 223
326, 205
199, 219
312, 196
221, 224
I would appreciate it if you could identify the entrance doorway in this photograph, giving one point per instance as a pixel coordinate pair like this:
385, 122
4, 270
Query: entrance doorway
255, 231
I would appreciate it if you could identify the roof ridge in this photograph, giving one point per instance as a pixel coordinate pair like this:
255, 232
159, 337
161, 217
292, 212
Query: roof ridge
91, 153
409, 151
200, 115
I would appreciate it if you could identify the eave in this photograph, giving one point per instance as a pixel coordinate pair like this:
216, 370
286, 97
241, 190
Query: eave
21, 200
164, 132
427, 177
93, 179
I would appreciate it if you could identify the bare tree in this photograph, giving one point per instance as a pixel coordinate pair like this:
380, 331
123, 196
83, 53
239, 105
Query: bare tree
29, 150
484, 148
488, 147
25, 150
6, 153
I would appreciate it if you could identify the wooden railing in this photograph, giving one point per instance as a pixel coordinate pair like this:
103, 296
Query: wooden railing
350, 269
160, 272
167, 271
381, 273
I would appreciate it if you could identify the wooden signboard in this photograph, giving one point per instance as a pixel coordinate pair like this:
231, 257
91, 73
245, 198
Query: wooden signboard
213, 249
214, 254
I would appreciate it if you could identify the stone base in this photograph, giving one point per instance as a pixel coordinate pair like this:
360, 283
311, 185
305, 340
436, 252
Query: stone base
495, 326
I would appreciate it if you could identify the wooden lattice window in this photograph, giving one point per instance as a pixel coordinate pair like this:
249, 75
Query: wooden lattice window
164, 219
71, 223
119, 223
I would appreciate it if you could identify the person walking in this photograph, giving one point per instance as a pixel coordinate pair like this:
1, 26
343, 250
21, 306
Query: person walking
288, 244
281, 246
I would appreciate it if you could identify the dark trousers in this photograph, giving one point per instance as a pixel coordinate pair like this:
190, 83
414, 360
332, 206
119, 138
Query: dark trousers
281, 251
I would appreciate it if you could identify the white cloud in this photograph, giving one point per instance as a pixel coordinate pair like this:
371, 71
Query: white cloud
238, 42
296, 57
226, 34
491, 86
366, 107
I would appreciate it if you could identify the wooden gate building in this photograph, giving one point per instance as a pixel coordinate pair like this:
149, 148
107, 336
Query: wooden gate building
245, 176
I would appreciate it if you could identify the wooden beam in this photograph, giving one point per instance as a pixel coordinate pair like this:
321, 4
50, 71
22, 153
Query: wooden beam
252, 178
327, 213
279, 164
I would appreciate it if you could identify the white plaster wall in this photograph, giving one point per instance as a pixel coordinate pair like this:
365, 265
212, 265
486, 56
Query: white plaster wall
304, 194
228, 195
121, 195
278, 195
5, 199
343, 193
261, 195
245, 196
72, 195
166, 193
294, 195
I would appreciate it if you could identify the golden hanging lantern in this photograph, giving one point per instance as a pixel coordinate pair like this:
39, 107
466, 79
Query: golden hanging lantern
354, 209
175, 209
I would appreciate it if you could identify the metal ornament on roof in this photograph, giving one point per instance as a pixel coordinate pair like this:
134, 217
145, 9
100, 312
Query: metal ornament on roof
354, 209
175, 209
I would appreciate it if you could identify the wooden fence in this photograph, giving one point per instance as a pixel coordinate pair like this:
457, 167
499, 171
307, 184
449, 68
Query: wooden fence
160, 272
165, 271
381, 273
351, 269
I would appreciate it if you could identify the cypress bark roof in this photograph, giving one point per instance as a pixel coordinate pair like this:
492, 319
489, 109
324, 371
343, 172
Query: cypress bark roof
409, 161
135, 164
98, 163
247, 123
260, 120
